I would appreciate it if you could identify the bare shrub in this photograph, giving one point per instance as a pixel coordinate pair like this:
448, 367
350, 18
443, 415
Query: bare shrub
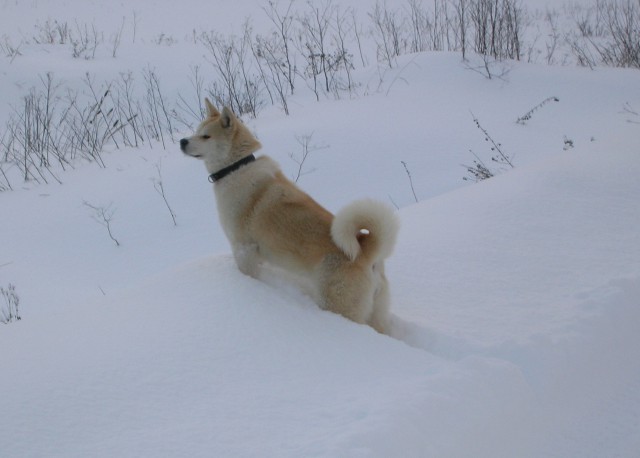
461, 25
633, 114
5, 184
607, 33
488, 27
300, 158
52, 128
388, 33
158, 185
32, 139
553, 41
527, 116
343, 32
158, 113
498, 154
281, 51
271, 60
321, 41
488, 66
189, 110
162, 39
103, 215
9, 49
479, 170
84, 41
52, 32
313, 42
622, 20
237, 86
116, 39
128, 110
421, 27
497, 27
442, 36
11, 310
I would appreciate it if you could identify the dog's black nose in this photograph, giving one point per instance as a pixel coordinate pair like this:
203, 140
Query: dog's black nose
183, 143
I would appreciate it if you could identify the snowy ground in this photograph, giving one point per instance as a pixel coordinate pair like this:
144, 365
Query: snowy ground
516, 301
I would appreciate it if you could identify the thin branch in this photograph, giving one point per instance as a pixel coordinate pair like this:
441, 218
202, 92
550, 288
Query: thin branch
406, 169
103, 216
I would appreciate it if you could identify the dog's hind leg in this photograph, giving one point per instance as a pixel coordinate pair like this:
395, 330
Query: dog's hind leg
346, 290
380, 315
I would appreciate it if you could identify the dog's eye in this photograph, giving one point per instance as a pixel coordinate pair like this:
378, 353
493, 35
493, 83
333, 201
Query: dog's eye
206, 137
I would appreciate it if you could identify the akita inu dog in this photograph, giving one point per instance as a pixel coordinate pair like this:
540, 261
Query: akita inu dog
267, 218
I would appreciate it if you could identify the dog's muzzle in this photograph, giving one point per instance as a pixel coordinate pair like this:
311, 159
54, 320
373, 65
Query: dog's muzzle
183, 144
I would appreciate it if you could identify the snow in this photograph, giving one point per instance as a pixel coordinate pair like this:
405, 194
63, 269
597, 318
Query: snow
515, 301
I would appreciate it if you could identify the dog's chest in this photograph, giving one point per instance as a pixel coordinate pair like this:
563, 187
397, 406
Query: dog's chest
230, 202
235, 199
238, 193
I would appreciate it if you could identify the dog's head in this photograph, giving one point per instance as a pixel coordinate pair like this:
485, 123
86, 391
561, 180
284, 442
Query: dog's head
220, 140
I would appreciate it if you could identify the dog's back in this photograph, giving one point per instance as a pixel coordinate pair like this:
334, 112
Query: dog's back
343, 255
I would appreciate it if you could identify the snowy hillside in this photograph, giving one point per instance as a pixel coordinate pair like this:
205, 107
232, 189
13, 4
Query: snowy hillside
515, 300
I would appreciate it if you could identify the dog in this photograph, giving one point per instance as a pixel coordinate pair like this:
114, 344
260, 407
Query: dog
269, 220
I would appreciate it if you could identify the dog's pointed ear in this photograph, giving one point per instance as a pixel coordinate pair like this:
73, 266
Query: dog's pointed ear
212, 112
228, 119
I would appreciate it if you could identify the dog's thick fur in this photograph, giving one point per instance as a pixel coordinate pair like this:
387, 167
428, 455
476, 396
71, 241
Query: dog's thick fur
268, 218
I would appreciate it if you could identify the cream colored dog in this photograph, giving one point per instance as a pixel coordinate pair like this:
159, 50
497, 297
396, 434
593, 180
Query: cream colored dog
268, 218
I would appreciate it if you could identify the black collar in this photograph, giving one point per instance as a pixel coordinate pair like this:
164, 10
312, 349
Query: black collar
219, 175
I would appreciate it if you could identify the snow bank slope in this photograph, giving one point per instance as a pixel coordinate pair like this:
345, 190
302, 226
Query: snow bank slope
200, 362
522, 247
518, 299
541, 268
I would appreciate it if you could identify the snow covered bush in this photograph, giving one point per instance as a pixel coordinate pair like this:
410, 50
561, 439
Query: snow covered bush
607, 33
305, 47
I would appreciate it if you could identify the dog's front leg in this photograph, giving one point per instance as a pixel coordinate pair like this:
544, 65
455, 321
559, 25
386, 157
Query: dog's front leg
247, 258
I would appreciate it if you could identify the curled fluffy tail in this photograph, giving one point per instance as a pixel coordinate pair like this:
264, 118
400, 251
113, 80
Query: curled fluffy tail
365, 229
